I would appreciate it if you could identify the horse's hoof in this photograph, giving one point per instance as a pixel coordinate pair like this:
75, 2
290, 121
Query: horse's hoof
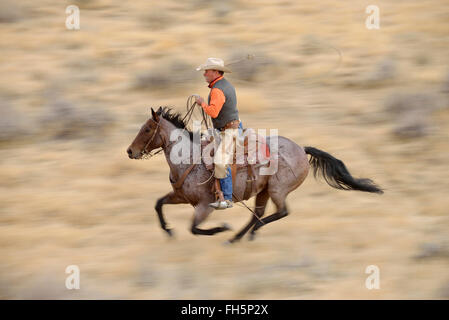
233, 240
252, 236
170, 232
226, 227
227, 243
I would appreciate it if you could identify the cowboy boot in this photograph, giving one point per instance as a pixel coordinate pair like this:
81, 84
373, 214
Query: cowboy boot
220, 203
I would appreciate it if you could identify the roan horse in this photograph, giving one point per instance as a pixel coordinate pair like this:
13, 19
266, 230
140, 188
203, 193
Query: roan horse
293, 167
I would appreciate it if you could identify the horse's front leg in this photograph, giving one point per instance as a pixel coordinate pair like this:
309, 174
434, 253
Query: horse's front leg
202, 211
169, 198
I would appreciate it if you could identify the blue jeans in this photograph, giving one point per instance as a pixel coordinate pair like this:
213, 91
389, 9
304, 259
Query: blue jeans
226, 183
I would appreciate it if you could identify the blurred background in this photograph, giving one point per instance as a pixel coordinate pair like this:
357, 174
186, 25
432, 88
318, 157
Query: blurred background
71, 101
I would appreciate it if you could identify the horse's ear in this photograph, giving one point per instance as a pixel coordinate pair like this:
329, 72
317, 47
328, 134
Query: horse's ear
154, 115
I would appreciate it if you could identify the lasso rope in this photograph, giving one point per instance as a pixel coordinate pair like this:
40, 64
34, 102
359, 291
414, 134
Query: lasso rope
318, 44
190, 105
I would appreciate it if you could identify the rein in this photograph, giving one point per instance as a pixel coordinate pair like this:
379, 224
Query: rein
147, 154
191, 104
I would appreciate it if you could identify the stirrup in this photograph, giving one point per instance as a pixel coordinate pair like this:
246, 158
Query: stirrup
221, 205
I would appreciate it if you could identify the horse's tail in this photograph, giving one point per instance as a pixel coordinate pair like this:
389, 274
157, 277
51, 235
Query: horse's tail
335, 173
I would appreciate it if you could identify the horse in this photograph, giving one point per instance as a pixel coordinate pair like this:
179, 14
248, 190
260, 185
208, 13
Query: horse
192, 184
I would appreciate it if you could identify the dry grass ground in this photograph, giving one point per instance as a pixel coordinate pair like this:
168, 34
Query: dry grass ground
72, 197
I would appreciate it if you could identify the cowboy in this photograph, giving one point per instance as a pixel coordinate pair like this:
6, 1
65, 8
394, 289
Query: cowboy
222, 107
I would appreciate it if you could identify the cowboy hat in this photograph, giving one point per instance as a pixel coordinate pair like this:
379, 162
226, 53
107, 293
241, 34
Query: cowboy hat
214, 64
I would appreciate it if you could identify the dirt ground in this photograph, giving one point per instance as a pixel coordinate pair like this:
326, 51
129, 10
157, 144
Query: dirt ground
73, 100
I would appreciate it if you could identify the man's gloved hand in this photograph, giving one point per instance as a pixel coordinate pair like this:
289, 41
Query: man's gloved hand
199, 100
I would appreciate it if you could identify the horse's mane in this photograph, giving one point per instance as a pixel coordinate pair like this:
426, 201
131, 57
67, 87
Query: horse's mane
175, 118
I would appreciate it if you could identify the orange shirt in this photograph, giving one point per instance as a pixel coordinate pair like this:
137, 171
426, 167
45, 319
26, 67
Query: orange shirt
217, 99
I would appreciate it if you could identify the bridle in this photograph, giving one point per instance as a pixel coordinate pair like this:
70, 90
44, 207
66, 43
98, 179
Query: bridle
147, 154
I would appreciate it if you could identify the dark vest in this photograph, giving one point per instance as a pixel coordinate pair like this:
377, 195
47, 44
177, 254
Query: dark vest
229, 110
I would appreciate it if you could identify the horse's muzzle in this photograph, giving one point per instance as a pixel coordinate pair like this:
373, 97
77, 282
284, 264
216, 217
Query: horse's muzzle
130, 153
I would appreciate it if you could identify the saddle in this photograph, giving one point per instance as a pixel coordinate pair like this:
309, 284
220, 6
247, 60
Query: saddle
254, 154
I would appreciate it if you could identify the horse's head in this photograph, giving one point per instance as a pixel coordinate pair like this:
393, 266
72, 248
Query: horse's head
148, 138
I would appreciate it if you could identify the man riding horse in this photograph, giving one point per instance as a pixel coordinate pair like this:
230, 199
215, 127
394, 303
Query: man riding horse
292, 163
222, 107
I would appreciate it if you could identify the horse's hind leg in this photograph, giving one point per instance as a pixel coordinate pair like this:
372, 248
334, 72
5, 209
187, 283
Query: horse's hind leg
281, 212
169, 198
261, 203
202, 211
